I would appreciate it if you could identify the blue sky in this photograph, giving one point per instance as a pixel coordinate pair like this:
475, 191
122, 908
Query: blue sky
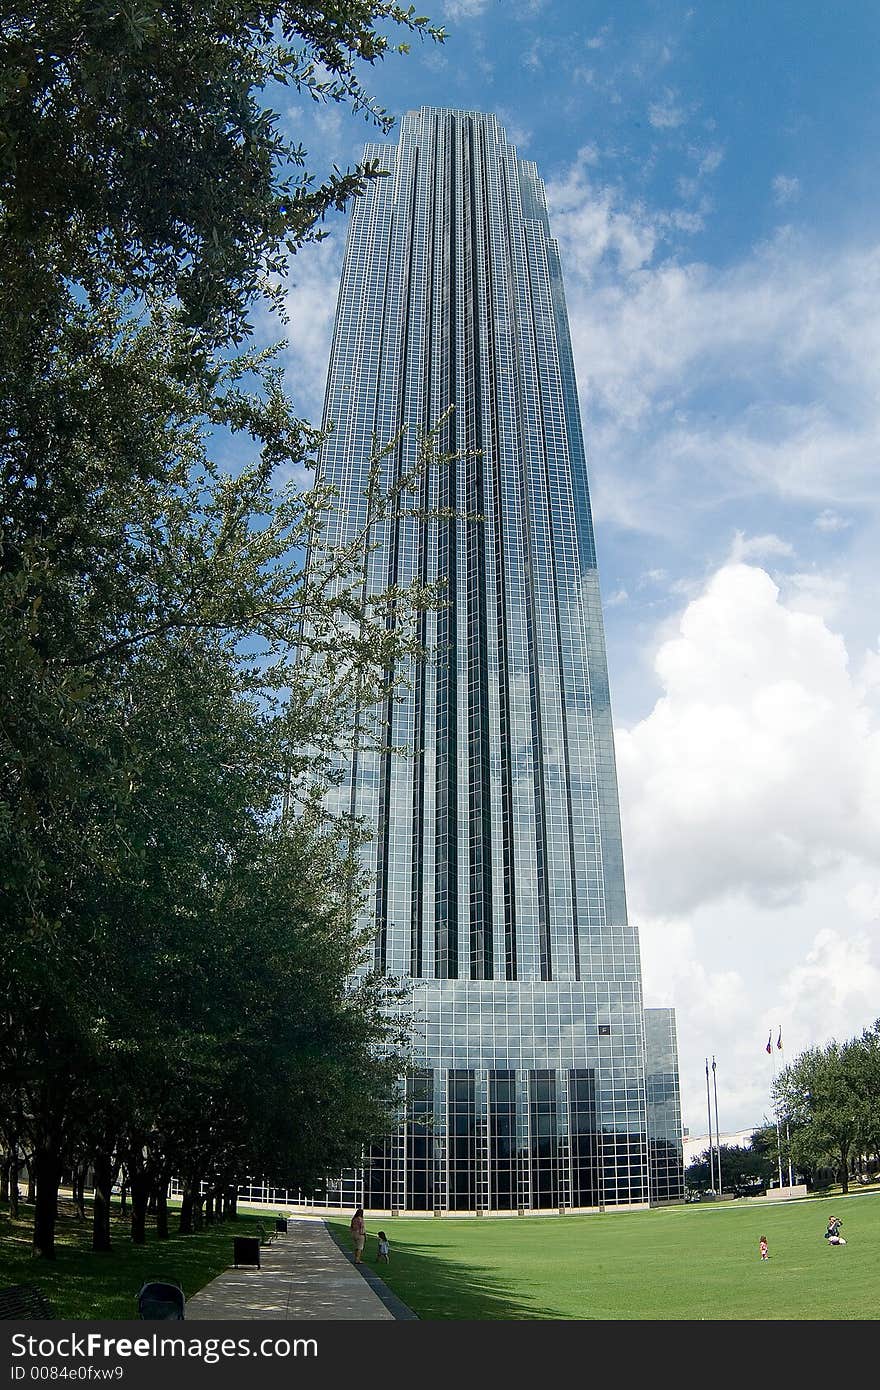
712, 173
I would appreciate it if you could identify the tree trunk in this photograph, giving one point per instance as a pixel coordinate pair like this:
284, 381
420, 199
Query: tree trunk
14, 1165
844, 1173
186, 1211
198, 1214
5, 1167
140, 1191
103, 1171
32, 1181
79, 1190
161, 1196
232, 1204
209, 1207
47, 1174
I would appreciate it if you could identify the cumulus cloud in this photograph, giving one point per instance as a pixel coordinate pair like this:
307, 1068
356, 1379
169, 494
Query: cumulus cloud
758, 768
838, 983
750, 800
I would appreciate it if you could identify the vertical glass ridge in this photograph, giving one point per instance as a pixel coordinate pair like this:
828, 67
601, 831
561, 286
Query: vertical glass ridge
496, 854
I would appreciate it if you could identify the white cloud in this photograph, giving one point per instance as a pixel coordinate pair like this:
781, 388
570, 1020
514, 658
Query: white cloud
829, 520
666, 114
837, 984
750, 800
863, 900
593, 228
815, 592
785, 189
758, 768
599, 39
311, 306
763, 376
517, 133
711, 160
655, 576
736, 971
464, 9
758, 547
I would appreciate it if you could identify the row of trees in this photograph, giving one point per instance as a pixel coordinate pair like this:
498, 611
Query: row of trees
179, 985
744, 1167
828, 1104
829, 1098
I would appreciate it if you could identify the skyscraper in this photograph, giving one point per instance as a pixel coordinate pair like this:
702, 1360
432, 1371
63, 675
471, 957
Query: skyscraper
496, 852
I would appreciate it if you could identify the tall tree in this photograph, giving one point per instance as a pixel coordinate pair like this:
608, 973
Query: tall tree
137, 149
147, 201
828, 1096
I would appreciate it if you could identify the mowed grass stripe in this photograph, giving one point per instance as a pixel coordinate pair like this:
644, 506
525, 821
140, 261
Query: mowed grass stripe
694, 1262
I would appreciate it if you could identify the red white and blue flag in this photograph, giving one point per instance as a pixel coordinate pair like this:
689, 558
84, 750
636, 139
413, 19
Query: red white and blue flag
769, 1048
779, 1040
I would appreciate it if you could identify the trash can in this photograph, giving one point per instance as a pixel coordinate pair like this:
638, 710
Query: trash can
281, 1226
246, 1251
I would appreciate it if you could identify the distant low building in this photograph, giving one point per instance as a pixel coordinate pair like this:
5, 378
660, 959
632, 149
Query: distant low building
696, 1145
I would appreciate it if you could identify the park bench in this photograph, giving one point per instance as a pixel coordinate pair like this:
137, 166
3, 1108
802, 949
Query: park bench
24, 1302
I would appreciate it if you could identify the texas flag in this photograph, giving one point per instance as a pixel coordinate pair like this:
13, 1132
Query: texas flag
779, 1040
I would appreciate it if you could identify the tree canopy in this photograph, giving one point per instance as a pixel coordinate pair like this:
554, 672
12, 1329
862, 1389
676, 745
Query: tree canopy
182, 983
830, 1097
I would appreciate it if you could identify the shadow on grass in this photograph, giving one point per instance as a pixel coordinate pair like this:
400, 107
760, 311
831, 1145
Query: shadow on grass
84, 1285
435, 1287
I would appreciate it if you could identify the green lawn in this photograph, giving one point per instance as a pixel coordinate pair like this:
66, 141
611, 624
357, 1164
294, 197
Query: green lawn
80, 1284
689, 1262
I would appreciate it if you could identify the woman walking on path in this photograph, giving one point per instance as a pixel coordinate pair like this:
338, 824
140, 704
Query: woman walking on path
358, 1234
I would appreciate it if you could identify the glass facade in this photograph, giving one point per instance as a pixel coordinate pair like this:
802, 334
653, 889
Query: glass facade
496, 854
666, 1154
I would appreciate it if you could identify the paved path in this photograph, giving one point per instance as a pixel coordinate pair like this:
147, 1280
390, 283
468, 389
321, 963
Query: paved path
304, 1275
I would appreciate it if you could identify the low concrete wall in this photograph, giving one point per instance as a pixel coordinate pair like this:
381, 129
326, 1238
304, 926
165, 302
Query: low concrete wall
783, 1194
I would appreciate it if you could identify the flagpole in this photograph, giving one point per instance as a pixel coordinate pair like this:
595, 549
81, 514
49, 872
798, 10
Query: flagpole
717, 1130
709, 1109
787, 1130
776, 1109
788, 1146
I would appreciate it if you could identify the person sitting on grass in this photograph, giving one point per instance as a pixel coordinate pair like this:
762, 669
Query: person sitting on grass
384, 1254
832, 1231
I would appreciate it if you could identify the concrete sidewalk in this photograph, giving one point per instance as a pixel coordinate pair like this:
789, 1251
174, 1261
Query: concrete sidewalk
304, 1275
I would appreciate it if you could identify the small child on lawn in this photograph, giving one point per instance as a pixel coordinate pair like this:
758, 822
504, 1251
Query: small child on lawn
384, 1249
765, 1253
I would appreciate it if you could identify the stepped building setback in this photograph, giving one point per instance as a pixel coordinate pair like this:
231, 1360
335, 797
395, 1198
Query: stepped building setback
496, 854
